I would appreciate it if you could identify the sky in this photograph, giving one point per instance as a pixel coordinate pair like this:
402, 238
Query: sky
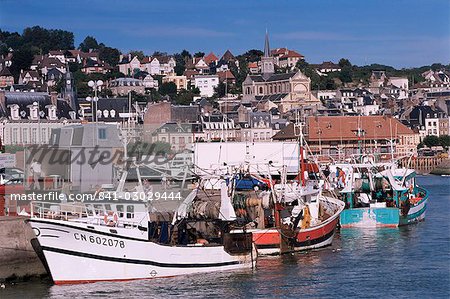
401, 33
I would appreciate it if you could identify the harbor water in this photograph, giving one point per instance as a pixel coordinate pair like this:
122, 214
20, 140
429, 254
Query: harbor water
407, 262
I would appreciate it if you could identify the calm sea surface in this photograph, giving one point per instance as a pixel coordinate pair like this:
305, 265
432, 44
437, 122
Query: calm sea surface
409, 262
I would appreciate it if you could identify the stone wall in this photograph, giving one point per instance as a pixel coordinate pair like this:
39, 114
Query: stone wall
17, 257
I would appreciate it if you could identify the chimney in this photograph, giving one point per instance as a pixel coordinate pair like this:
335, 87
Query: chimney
54, 98
120, 57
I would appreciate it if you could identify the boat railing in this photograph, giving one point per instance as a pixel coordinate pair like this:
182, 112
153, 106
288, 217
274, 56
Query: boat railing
76, 212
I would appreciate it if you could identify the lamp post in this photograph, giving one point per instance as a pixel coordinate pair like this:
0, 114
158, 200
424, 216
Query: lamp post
96, 86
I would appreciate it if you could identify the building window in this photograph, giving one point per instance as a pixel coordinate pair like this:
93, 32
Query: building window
102, 133
25, 135
33, 136
44, 135
14, 135
260, 90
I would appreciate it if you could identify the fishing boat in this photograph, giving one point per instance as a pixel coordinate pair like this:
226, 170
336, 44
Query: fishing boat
297, 216
316, 229
380, 195
127, 240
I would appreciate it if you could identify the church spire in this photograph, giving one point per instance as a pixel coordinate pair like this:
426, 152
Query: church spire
266, 46
267, 61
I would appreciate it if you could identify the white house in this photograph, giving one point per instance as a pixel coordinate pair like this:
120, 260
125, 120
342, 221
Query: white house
149, 82
399, 82
162, 65
206, 84
128, 65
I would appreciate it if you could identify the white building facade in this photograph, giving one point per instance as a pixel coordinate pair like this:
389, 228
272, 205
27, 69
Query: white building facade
206, 84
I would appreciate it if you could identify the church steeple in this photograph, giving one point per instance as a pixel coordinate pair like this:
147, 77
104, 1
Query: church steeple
267, 61
266, 46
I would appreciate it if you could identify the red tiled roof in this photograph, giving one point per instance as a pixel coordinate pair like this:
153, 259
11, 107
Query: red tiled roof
146, 60
278, 51
210, 58
291, 54
227, 56
336, 128
252, 65
225, 75
285, 53
190, 73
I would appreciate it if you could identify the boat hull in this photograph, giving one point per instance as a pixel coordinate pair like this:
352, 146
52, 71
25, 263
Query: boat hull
370, 217
73, 253
268, 241
383, 216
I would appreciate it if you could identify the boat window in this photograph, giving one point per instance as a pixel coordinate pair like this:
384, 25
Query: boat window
108, 207
89, 210
99, 209
130, 211
119, 209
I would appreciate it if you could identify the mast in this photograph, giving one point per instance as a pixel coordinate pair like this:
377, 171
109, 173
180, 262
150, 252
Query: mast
299, 125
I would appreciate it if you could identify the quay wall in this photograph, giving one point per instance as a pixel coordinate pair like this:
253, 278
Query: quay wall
17, 257
424, 165
443, 168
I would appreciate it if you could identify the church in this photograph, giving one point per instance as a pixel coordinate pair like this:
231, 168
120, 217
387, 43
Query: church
287, 90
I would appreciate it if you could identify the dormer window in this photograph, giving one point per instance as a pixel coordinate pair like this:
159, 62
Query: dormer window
112, 113
34, 112
105, 113
52, 112
15, 112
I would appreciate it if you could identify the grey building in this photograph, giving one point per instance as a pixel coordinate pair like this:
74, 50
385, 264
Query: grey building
84, 155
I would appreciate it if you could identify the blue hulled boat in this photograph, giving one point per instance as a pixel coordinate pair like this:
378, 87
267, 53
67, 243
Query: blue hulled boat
380, 195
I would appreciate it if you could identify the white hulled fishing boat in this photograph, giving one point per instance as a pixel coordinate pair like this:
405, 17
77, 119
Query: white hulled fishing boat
105, 241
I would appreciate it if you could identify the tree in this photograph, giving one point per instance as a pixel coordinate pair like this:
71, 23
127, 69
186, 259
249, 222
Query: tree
185, 97
47, 39
158, 53
346, 74
109, 55
185, 54
21, 60
89, 43
199, 54
344, 62
220, 90
240, 73
168, 88
139, 54
253, 55
180, 67
431, 140
137, 97
444, 140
